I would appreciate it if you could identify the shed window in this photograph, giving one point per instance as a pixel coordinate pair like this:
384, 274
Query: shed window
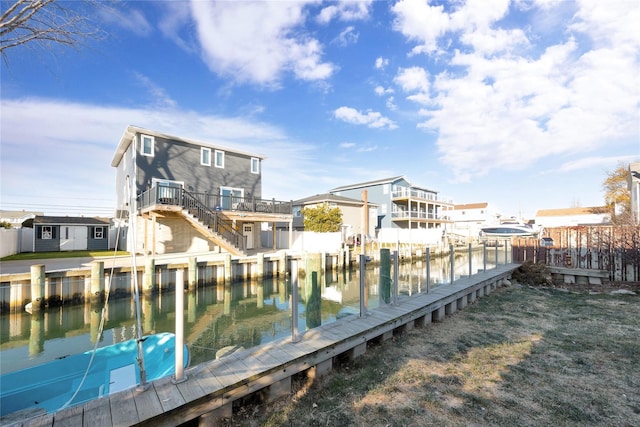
46, 232
255, 165
205, 156
219, 159
98, 233
146, 145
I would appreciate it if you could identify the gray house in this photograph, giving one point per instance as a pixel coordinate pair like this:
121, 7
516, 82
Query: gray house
190, 196
64, 233
400, 203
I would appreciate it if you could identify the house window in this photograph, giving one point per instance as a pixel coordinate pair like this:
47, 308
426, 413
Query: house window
205, 156
98, 233
255, 165
219, 159
146, 145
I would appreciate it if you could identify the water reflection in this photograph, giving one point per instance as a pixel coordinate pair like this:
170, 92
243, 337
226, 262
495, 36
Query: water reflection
217, 316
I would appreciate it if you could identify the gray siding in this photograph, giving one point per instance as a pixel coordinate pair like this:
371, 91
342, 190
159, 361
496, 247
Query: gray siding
180, 161
97, 244
375, 194
47, 245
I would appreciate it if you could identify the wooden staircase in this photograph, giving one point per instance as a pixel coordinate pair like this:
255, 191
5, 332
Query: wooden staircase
212, 224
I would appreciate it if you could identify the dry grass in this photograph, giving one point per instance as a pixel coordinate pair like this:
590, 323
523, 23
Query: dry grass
523, 356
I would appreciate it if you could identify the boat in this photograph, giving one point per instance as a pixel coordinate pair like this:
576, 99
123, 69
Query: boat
78, 378
509, 229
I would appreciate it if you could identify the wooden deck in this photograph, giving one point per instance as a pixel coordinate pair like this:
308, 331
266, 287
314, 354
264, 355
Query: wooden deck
210, 388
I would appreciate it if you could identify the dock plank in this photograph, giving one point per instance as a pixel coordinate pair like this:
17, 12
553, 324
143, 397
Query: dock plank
147, 403
169, 395
123, 408
97, 413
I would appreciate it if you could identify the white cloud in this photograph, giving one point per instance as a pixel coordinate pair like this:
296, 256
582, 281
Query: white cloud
130, 19
348, 36
345, 10
160, 97
513, 100
380, 90
381, 63
604, 163
414, 79
258, 41
371, 119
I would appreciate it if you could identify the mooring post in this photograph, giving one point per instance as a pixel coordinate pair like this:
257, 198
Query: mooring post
37, 287
97, 280
193, 273
484, 255
395, 278
363, 269
282, 264
260, 266
451, 262
428, 255
227, 268
294, 307
179, 351
385, 276
149, 276
470, 264
506, 246
496, 253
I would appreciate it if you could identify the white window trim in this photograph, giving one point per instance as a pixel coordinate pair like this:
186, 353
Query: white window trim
47, 232
98, 230
255, 161
153, 145
202, 151
215, 157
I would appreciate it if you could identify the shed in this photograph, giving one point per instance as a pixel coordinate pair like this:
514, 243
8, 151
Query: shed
65, 233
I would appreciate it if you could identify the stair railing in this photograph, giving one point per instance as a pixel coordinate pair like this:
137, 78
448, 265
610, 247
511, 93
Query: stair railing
212, 219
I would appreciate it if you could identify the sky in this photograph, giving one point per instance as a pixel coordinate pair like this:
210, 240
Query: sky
525, 105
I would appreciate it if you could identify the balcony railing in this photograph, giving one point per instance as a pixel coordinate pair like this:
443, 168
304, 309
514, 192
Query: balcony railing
418, 215
174, 196
411, 193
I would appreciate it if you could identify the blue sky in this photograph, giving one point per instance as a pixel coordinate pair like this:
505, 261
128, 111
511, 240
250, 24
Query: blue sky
522, 104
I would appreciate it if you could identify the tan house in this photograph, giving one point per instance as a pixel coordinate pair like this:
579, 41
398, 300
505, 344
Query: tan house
568, 217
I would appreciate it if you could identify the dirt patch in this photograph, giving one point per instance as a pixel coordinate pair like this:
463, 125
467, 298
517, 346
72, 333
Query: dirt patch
525, 356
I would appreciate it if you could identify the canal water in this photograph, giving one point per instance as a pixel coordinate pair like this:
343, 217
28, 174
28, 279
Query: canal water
220, 317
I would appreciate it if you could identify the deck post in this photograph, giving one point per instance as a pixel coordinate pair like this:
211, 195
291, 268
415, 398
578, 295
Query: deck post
363, 301
395, 277
97, 279
497, 253
470, 264
484, 255
37, 286
193, 272
294, 306
428, 262
282, 264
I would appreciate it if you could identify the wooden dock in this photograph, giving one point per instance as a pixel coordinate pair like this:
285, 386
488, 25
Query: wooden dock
211, 388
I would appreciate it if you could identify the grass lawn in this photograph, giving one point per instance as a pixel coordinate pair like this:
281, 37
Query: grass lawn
65, 254
523, 356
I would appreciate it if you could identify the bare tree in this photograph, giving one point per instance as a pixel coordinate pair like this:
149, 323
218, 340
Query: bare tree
46, 23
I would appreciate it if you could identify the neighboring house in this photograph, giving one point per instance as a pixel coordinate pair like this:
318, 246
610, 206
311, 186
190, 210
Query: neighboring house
634, 190
65, 233
401, 205
16, 218
469, 218
190, 195
549, 218
353, 219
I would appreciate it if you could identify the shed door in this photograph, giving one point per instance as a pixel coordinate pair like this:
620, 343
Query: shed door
73, 238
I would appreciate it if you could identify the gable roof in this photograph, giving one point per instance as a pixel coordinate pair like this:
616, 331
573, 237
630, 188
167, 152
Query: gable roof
328, 197
379, 182
131, 131
67, 220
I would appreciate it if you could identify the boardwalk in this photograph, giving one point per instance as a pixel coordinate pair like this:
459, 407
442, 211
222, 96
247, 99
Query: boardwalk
210, 388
